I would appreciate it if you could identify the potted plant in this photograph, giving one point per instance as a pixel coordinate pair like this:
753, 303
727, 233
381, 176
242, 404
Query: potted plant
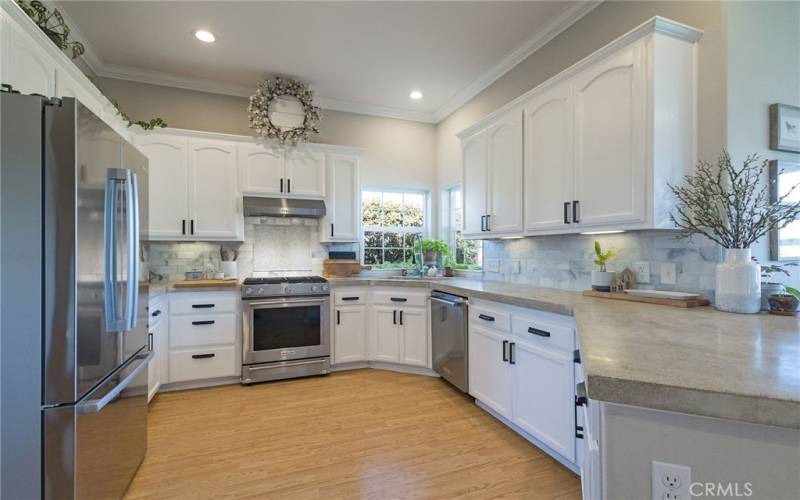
432, 251
602, 279
785, 303
732, 207
770, 287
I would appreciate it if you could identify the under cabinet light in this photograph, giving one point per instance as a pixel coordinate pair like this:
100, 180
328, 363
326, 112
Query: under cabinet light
613, 231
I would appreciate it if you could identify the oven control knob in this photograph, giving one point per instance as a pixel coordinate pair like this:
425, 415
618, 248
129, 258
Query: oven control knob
288, 289
261, 290
315, 288
325, 288
248, 291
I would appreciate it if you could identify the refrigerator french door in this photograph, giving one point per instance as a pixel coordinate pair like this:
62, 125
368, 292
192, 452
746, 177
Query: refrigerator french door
73, 208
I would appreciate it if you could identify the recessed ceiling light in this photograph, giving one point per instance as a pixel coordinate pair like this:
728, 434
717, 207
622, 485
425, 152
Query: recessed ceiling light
205, 36
416, 95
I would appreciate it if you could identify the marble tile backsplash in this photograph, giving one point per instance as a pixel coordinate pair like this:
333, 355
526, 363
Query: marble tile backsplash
272, 246
565, 261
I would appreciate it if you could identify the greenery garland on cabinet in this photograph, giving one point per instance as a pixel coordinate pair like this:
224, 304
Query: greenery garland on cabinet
51, 22
146, 125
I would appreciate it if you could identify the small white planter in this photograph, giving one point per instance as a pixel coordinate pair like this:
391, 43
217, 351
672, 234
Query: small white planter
602, 280
738, 287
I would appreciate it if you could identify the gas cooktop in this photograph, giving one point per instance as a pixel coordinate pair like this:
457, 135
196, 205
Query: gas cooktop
258, 288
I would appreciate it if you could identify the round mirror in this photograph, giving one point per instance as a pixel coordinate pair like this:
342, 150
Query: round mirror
286, 112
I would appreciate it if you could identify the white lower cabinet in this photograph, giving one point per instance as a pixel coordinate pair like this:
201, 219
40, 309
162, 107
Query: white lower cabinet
350, 334
158, 327
526, 375
413, 336
386, 345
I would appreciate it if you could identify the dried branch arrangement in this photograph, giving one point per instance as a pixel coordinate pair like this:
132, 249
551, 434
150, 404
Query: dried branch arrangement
729, 205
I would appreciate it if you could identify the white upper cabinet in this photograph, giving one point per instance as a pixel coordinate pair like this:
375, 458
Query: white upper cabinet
475, 184
504, 139
214, 197
548, 159
169, 184
26, 64
193, 187
261, 169
305, 173
610, 141
602, 141
342, 221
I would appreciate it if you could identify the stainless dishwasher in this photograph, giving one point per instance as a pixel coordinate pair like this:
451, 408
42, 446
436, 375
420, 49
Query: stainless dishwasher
449, 338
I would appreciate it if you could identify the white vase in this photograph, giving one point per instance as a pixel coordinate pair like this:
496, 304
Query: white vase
602, 280
229, 268
738, 283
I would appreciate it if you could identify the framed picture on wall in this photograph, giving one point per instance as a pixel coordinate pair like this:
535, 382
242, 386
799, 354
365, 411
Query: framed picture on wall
784, 244
784, 128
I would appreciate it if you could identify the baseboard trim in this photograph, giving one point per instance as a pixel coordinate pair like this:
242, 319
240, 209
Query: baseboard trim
575, 468
381, 365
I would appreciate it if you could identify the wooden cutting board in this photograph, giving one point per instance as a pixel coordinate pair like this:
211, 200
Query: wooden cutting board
335, 268
697, 302
206, 283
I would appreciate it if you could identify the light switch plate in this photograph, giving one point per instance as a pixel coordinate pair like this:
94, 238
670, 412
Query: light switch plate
642, 272
492, 265
668, 273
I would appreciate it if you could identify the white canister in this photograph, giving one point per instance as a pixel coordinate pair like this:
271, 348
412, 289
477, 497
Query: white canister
738, 287
229, 268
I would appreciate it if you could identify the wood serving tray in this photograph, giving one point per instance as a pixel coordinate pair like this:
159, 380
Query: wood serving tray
696, 302
206, 283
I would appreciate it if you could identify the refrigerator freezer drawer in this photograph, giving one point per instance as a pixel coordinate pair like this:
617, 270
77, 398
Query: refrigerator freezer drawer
92, 449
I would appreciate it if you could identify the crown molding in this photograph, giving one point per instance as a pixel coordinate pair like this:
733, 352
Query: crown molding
566, 18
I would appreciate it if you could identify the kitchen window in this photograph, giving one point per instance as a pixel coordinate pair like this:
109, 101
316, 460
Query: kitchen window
391, 221
468, 253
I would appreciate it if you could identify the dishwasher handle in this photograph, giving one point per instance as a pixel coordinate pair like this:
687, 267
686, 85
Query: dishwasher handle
450, 300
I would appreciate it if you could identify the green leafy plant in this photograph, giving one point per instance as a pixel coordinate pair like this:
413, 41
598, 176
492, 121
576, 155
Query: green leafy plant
603, 257
146, 125
730, 205
435, 246
793, 291
51, 22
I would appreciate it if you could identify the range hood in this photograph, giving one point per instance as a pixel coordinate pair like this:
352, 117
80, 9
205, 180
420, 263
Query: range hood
283, 207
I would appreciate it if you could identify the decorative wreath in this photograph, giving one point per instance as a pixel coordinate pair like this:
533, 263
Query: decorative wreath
260, 102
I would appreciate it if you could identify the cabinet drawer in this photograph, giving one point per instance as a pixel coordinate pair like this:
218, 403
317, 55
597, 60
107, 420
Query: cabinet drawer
400, 298
202, 364
543, 333
353, 297
490, 318
156, 312
202, 303
197, 330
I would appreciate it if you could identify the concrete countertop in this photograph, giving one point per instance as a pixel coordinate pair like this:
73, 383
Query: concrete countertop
700, 361
158, 288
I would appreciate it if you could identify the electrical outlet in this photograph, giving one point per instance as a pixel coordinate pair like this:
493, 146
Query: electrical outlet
516, 267
667, 273
642, 272
492, 265
670, 481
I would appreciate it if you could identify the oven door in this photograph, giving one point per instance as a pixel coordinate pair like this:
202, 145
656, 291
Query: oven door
286, 328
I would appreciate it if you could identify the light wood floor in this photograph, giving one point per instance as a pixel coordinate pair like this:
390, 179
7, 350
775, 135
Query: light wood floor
357, 434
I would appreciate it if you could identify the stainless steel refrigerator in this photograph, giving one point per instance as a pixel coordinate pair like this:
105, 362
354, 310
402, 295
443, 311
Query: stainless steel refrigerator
73, 285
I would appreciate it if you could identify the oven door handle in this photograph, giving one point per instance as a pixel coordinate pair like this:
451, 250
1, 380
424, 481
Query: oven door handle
289, 301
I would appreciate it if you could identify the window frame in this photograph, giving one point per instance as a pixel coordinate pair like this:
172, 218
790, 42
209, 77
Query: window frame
394, 229
775, 168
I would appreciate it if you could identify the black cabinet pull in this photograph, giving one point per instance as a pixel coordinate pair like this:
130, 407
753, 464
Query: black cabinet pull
350, 298
203, 356
566, 212
398, 299
288, 185
576, 357
281, 184
338, 317
183, 226
483, 223
192, 225
488, 218
156, 313
505, 356
538, 332
149, 341
202, 306
575, 207
394, 317
485, 317
401, 317
331, 230
512, 349
206, 322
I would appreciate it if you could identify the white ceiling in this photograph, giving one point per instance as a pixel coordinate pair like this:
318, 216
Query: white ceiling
357, 56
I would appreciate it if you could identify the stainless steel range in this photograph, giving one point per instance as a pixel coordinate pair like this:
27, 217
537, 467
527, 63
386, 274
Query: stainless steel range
286, 329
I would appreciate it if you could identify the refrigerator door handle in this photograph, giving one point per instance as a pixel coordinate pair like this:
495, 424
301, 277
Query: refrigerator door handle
96, 405
132, 288
110, 252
